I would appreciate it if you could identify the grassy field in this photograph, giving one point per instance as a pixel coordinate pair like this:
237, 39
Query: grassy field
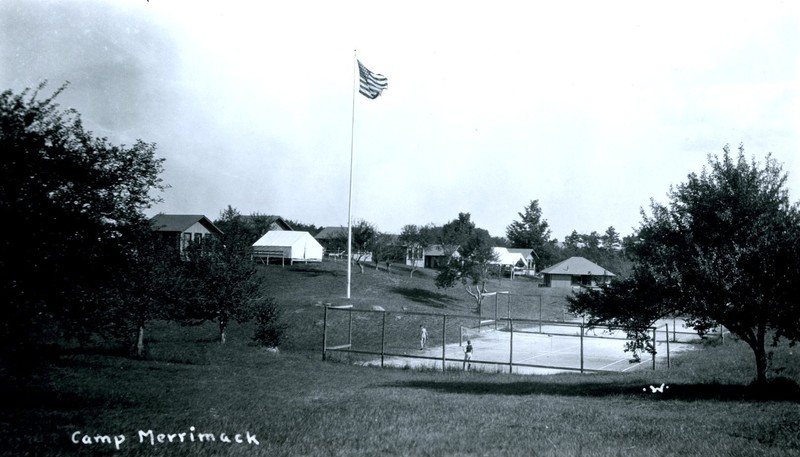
292, 403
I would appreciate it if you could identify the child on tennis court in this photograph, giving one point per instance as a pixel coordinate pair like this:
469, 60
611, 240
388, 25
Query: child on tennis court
423, 337
468, 355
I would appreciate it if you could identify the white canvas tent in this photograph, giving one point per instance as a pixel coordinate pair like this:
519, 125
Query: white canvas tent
506, 258
291, 246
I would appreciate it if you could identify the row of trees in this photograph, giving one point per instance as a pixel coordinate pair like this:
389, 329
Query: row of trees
533, 231
79, 258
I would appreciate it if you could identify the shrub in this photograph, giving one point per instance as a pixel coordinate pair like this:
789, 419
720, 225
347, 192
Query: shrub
269, 327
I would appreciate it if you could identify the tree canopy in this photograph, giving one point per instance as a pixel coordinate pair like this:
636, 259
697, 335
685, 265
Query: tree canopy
471, 263
71, 202
725, 250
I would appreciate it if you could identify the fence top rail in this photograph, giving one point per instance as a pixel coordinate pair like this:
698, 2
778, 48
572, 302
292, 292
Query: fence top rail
464, 316
500, 292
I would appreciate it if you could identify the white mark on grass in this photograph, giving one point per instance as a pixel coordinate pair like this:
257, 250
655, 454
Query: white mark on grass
657, 389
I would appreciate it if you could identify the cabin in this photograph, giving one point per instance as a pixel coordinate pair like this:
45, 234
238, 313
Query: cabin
183, 229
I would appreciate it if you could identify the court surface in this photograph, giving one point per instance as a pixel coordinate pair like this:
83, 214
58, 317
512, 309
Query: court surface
541, 350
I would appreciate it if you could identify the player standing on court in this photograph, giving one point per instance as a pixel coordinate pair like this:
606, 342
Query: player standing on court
423, 337
468, 355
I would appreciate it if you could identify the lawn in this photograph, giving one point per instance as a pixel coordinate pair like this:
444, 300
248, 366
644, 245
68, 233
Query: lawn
293, 403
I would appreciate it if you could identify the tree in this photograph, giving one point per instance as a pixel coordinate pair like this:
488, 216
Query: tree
531, 231
725, 250
222, 285
471, 264
362, 237
70, 200
385, 249
150, 287
611, 239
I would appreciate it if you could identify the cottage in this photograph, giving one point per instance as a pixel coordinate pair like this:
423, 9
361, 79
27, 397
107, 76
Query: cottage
431, 256
333, 239
575, 272
182, 229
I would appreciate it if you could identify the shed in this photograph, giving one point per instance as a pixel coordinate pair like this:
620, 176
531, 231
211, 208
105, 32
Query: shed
576, 271
291, 246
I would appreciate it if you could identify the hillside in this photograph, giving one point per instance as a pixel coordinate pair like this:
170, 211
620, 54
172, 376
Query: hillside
97, 402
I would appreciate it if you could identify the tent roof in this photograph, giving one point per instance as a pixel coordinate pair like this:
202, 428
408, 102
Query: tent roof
282, 238
526, 252
504, 257
577, 266
181, 222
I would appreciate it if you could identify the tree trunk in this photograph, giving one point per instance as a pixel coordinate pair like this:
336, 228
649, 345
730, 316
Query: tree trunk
760, 353
223, 325
140, 341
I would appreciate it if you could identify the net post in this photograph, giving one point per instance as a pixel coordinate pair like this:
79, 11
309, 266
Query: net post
350, 328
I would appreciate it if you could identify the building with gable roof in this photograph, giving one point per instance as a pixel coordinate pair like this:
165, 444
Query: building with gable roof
183, 229
575, 272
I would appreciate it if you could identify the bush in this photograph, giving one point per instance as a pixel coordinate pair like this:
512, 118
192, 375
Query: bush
269, 326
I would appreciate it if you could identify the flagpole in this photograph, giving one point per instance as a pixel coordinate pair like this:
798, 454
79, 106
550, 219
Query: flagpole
350, 194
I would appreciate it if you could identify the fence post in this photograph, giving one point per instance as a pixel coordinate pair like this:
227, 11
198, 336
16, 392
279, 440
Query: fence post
350, 329
540, 314
324, 332
674, 339
383, 338
581, 347
444, 334
511, 347
667, 338
495, 311
654, 348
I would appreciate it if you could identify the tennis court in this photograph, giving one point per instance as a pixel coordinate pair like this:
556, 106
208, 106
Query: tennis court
538, 349
522, 346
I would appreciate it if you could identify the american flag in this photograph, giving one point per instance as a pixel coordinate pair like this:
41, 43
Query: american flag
372, 84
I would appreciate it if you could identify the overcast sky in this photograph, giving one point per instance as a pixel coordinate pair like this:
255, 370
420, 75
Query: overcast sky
593, 108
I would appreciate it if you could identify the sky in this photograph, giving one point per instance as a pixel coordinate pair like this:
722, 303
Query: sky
591, 108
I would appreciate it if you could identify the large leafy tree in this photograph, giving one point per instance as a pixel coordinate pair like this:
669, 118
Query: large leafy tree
222, 284
725, 250
70, 201
531, 231
471, 263
151, 286
363, 237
